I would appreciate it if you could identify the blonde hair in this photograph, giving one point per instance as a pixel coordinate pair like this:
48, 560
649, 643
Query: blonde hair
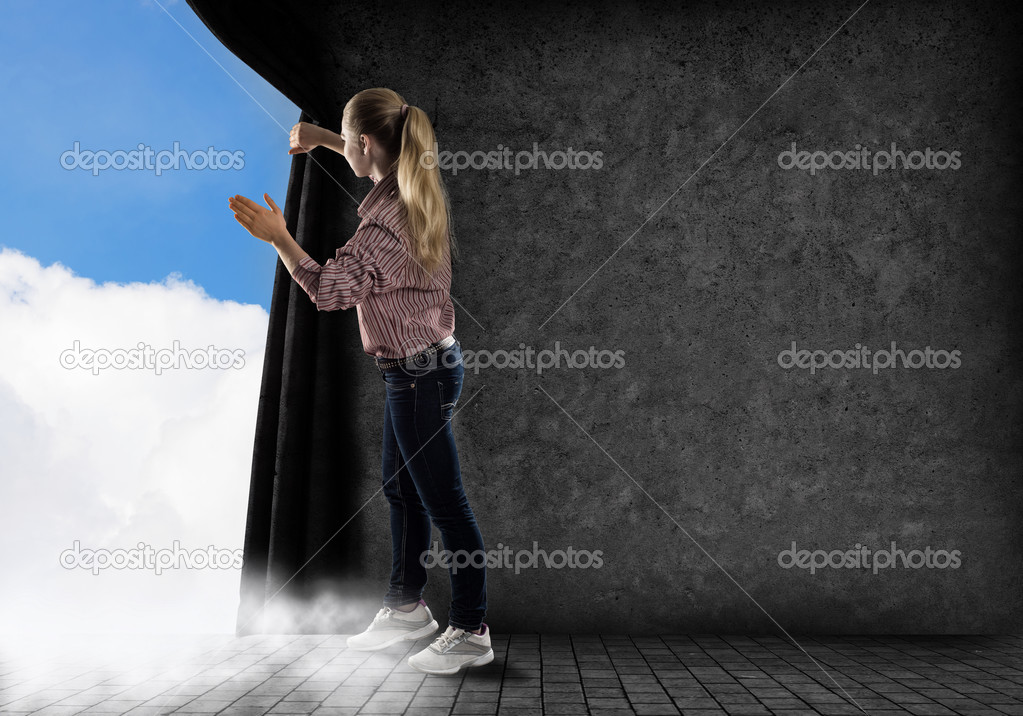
424, 198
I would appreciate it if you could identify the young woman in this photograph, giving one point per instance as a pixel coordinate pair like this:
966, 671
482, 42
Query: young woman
396, 271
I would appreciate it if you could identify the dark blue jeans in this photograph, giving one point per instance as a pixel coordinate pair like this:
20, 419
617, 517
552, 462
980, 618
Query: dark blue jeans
422, 482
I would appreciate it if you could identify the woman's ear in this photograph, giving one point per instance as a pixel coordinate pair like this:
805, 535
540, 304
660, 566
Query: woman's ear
365, 141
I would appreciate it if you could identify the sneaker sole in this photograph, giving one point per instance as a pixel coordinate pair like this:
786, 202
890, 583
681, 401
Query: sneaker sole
480, 661
411, 636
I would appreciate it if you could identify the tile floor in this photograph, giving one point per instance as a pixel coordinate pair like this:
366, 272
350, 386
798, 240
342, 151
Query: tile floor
531, 674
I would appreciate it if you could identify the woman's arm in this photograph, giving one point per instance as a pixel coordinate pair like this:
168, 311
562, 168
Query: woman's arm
306, 136
373, 260
268, 226
289, 250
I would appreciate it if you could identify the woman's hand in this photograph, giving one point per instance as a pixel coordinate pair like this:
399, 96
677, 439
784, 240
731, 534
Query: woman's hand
265, 224
305, 137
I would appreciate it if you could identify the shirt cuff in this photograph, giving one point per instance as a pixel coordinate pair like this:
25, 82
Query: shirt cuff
307, 275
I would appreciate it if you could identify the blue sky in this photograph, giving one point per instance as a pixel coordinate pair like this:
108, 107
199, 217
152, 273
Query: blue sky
112, 75
115, 458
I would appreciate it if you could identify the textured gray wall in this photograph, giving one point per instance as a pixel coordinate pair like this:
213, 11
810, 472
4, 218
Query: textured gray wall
693, 466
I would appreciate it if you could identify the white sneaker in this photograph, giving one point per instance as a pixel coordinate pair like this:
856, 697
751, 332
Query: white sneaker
391, 626
453, 650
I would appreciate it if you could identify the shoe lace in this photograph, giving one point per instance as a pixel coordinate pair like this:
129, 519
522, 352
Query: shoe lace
448, 639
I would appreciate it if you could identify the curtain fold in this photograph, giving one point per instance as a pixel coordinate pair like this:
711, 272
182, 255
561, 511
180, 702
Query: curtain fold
300, 568
299, 562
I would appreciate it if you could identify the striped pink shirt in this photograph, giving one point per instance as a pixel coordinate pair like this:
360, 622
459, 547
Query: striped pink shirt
400, 311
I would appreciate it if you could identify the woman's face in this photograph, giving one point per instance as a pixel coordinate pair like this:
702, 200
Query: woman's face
360, 163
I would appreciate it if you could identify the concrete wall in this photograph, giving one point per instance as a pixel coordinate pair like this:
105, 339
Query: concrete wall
701, 460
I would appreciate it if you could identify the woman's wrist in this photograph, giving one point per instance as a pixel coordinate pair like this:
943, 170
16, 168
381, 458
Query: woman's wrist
331, 140
288, 249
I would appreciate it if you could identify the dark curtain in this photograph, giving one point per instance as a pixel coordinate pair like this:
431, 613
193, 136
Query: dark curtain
299, 564
306, 457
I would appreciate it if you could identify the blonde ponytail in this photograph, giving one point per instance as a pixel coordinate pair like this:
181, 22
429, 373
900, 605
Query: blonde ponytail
411, 141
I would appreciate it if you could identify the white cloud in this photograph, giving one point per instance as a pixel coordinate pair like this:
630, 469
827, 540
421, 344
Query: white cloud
122, 456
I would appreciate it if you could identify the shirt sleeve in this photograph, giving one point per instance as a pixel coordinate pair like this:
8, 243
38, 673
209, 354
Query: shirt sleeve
373, 261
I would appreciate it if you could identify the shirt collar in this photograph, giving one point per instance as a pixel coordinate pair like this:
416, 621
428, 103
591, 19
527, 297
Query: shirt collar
384, 189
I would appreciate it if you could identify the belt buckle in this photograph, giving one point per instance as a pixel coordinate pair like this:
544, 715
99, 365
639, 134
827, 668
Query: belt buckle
422, 359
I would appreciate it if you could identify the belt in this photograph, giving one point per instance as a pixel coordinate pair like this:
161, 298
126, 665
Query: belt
443, 343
